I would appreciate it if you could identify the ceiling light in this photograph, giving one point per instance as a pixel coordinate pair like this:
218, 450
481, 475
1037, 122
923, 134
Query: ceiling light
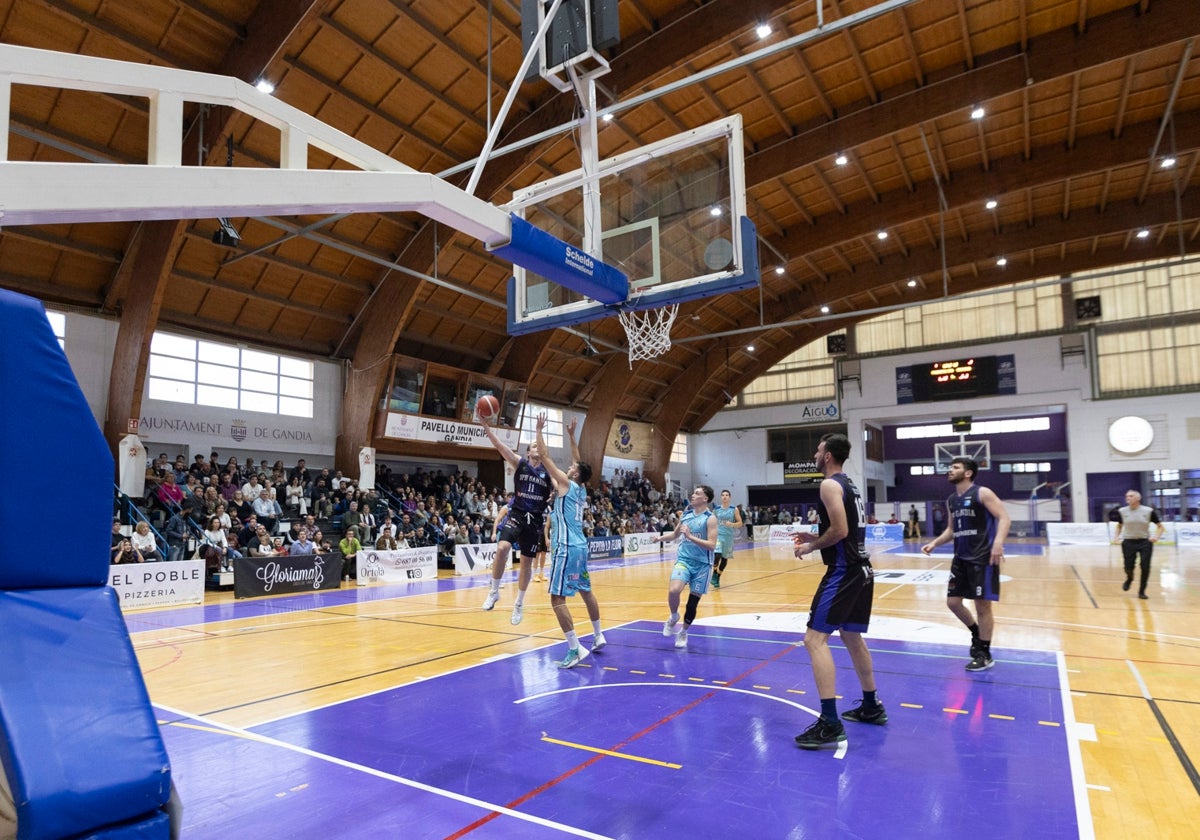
1003, 261
265, 87
1143, 234
1167, 162
749, 348
881, 235
992, 204
763, 30
608, 117
841, 160
715, 211
824, 310
779, 269
977, 113
912, 284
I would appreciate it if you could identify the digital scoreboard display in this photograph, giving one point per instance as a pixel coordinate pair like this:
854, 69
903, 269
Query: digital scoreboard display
958, 378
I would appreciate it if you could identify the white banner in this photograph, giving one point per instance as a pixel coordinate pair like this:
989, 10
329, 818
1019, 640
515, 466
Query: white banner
474, 559
132, 466
366, 468
640, 543
762, 533
1078, 533
425, 429
141, 585
1187, 534
783, 533
399, 566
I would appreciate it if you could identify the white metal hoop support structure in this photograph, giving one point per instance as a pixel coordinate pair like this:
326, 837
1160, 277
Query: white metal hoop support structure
648, 331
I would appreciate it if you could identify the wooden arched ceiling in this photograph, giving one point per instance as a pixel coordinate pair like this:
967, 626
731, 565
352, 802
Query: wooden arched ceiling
1077, 94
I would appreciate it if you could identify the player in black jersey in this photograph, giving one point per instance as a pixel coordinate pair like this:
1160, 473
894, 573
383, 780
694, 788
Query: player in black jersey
526, 519
842, 601
978, 525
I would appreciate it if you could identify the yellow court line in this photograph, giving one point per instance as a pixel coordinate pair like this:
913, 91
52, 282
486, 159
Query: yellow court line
612, 754
636, 672
1048, 723
911, 706
796, 691
1002, 717
667, 676
609, 668
720, 682
695, 679
956, 711
763, 687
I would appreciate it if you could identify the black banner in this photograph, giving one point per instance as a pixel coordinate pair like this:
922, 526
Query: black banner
256, 576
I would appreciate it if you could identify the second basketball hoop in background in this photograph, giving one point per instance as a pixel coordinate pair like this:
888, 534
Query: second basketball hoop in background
487, 408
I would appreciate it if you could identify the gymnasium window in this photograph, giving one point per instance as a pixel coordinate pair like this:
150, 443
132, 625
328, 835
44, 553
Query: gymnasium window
553, 433
1026, 467
198, 372
1148, 338
979, 428
58, 323
807, 375
679, 450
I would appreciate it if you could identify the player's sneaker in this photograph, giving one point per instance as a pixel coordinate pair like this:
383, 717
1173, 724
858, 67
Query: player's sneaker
976, 648
867, 714
669, 626
574, 657
681, 640
516, 616
823, 733
491, 600
1128, 583
981, 662
598, 642
716, 581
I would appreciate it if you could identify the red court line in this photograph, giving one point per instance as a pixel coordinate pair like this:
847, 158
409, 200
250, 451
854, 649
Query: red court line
520, 800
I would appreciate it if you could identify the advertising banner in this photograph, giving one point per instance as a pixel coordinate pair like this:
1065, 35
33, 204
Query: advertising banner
1078, 533
474, 559
141, 585
400, 566
783, 533
882, 532
640, 544
604, 548
434, 430
255, 576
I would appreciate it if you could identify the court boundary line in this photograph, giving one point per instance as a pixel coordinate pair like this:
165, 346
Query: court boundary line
1185, 760
391, 777
1083, 805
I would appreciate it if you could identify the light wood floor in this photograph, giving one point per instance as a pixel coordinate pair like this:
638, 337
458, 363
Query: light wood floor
1133, 666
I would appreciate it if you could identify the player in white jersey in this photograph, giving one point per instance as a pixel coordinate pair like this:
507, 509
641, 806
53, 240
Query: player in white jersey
569, 547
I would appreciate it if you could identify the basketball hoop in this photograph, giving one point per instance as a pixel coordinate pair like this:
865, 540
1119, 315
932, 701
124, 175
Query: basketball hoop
648, 331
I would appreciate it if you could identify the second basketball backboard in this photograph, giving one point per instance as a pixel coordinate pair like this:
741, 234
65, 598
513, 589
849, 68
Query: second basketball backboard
671, 215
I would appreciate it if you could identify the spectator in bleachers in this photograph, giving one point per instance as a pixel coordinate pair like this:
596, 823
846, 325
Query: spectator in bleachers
321, 500
267, 510
248, 531
252, 488
217, 545
124, 552
117, 534
226, 487
176, 533
261, 544
300, 471
223, 516
170, 494
476, 537
302, 545
240, 506
351, 518
320, 544
350, 546
144, 541
385, 542
294, 501
367, 522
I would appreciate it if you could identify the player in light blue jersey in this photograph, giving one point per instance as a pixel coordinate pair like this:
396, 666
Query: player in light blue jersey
693, 562
729, 519
569, 546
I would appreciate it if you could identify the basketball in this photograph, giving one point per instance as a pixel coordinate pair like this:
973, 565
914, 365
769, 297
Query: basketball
487, 407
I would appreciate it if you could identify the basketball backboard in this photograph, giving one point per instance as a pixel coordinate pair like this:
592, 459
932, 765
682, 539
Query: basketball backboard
978, 450
672, 217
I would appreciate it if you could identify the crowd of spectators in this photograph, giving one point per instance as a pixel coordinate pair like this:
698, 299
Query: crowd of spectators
230, 509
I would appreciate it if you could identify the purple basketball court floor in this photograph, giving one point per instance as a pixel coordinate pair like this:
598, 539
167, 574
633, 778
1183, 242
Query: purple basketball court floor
643, 741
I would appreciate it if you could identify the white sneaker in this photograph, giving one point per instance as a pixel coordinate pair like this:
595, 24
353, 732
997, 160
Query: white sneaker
491, 600
574, 657
598, 642
681, 640
516, 616
669, 627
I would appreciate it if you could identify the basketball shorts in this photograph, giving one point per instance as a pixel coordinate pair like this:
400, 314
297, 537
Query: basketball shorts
694, 575
569, 571
524, 530
843, 599
974, 581
725, 544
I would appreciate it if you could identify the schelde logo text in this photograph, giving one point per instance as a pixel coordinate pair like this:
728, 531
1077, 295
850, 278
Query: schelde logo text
580, 260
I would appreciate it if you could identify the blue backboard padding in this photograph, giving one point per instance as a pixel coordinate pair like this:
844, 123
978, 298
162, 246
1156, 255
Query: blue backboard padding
50, 439
155, 826
78, 738
536, 250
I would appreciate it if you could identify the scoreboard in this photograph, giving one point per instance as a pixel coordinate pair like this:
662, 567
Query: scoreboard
961, 377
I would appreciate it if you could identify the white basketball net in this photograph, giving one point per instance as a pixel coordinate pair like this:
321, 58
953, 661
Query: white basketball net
648, 331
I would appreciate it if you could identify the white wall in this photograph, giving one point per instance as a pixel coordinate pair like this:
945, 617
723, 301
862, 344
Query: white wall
190, 429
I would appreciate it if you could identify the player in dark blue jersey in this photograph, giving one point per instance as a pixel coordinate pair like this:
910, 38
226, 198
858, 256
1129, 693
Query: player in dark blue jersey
978, 525
842, 602
526, 517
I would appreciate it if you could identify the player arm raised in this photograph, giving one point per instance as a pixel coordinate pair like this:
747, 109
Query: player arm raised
561, 483
996, 508
506, 453
571, 437
839, 526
